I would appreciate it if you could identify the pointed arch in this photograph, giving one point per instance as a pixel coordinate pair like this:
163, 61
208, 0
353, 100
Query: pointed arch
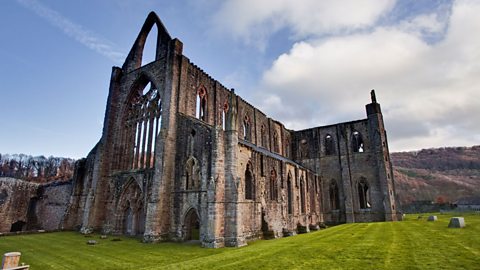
357, 142
263, 136
130, 208
302, 195
192, 174
363, 193
249, 183
273, 185
134, 58
276, 148
289, 193
224, 115
247, 132
141, 123
334, 196
329, 145
201, 104
191, 225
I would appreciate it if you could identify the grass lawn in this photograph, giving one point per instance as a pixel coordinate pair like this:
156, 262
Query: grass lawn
410, 244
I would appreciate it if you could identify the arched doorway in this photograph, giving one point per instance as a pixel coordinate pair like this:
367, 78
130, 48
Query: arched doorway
192, 225
131, 212
18, 226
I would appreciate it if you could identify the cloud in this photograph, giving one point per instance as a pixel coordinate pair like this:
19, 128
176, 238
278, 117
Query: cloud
429, 91
77, 32
254, 21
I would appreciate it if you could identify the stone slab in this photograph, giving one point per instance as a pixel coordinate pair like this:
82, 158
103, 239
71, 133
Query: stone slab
457, 222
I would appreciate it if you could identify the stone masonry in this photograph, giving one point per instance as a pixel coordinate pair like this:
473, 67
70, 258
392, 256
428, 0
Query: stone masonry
182, 157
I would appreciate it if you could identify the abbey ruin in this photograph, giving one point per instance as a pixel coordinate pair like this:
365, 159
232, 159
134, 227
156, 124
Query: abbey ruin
182, 157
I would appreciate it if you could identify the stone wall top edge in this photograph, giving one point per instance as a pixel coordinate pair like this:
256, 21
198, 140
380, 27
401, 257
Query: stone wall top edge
269, 154
332, 125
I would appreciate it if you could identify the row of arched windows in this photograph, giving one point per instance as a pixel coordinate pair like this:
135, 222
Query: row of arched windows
357, 145
273, 189
201, 111
364, 201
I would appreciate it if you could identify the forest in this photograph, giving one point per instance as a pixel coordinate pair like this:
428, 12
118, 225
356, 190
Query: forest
38, 169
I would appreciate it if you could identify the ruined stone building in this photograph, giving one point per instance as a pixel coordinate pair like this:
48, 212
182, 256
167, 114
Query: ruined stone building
183, 157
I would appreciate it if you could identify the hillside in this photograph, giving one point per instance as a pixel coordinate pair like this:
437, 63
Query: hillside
439, 175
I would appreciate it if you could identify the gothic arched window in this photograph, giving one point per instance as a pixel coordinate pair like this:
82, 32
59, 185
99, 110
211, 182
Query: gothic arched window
334, 196
249, 183
302, 195
289, 194
275, 143
246, 128
142, 123
357, 142
224, 115
363, 194
201, 104
192, 174
273, 185
329, 145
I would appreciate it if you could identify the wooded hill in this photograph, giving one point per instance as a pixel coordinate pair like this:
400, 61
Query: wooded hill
440, 175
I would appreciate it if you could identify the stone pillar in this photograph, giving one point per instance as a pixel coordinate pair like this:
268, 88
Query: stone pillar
233, 230
159, 210
379, 144
346, 180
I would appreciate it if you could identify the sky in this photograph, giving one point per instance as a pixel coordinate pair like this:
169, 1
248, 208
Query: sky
305, 63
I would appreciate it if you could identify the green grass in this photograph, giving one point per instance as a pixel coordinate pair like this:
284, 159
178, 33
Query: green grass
410, 244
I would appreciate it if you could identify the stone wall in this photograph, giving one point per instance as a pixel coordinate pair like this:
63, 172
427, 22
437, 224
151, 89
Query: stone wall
16, 196
28, 206
51, 207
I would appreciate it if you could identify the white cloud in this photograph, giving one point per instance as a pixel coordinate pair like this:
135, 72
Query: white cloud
254, 21
429, 92
428, 23
77, 32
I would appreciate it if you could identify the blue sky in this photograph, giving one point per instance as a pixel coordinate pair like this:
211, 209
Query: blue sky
305, 62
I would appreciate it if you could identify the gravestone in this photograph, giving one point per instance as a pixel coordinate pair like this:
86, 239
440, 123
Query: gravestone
456, 222
91, 242
432, 218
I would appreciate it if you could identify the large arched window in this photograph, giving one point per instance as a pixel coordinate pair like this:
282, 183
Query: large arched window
273, 185
357, 142
142, 123
363, 194
201, 107
334, 196
249, 183
329, 145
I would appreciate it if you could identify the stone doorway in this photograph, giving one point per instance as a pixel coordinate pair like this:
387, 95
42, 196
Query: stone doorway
192, 226
18, 226
131, 212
